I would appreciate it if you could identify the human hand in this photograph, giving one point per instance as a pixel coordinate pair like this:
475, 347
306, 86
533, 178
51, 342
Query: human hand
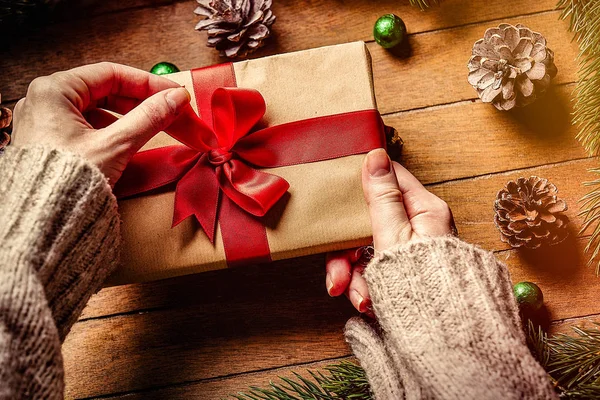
67, 111
401, 210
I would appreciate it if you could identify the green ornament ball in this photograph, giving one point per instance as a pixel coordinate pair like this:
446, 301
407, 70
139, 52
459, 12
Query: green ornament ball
163, 68
389, 31
529, 296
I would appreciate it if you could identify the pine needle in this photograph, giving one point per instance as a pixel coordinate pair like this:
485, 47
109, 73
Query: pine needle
424, 4
584, 22
573, 362
344, 380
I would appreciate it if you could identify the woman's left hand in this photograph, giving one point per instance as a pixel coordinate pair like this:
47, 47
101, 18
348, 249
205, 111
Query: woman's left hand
401, 210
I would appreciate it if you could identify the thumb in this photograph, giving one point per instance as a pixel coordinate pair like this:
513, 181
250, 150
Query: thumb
388, 216
151, 116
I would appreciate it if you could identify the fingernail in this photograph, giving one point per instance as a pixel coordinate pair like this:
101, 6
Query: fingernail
378, 163
329, 284
177, 98
358, 301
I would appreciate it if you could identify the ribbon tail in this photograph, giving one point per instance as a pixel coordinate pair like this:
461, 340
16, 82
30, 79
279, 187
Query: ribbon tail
254, 191
151, 169
244, 236
197, 194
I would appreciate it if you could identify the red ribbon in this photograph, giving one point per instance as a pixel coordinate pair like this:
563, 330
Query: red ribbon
217, 169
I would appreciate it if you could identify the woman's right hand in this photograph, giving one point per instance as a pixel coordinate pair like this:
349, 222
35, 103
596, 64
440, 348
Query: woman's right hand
401, 210
67, 111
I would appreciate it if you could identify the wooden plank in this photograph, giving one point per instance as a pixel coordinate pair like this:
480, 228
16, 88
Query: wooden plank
88, 8
219, 389
569, 285
468, 139
233, 327
436, 70
471, 200
566, 326
142, 37
243, 283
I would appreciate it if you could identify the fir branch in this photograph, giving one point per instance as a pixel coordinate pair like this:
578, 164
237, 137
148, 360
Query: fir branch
590, 212
584, 22
344, 380
424, 4
573, 362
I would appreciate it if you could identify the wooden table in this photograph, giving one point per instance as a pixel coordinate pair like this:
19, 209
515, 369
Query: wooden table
209, 335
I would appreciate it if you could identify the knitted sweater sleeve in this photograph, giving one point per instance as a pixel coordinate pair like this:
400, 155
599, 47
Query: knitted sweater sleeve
59, 237
449, 327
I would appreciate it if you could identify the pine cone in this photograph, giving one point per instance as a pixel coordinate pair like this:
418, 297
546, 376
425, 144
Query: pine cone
529, 213
5, 121
236, 27
511, 66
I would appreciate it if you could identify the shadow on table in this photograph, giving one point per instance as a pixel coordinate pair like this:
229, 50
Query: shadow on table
547, 118
561, 261
228, 322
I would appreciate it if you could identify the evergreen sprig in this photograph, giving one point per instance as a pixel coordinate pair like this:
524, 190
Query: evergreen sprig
343, 380
584, 22
424, 4
573, 362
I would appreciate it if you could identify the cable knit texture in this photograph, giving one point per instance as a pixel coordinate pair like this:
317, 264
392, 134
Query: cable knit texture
449, 327
59, 237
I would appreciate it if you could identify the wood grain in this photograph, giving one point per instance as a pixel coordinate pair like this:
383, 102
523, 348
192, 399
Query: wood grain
447, 142
472, 200
229, 328
435, 70
214, 389
566, 326
69, 11
142, 37
219, 389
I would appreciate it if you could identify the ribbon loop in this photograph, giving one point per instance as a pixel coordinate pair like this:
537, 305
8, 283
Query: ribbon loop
235, 111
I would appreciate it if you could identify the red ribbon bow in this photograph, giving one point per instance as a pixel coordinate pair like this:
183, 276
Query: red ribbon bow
227, 157
214, 160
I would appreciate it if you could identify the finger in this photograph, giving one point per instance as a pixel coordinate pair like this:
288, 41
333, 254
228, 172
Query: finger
339, 271
99, 118
386, 208
119, 104
103, 79
429, 215
16, 121
358, 291
153, 115
407, 181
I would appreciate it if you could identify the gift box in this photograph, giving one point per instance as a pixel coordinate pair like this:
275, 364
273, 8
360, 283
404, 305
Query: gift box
271, 168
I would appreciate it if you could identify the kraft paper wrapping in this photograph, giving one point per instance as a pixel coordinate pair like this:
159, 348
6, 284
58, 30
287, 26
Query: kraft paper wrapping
325, 209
